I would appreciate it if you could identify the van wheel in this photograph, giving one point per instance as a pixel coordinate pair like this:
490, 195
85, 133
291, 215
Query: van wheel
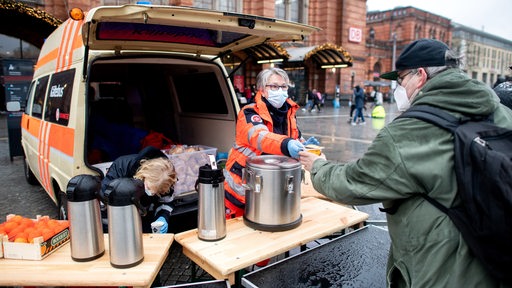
29, 176
63, 206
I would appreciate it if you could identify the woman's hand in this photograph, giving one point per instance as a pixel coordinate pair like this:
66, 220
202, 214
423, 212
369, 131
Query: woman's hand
307, 159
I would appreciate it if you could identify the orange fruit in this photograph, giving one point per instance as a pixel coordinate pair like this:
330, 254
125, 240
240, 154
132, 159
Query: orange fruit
52, 223
32, 235
28, 222
47, 233
9, 226
15, 218
21, 240
15, 232
29, 230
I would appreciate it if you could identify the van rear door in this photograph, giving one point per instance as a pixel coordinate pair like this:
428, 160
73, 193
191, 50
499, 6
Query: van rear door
183, 29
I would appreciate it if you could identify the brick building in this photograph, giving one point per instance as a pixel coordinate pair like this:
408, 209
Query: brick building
388, 32
354, 46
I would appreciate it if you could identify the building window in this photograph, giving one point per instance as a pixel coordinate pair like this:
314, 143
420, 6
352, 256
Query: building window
14, 48
290, 10
417, 32
221, 5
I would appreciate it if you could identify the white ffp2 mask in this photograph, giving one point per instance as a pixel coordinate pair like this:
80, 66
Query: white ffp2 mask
402, 101
277, 98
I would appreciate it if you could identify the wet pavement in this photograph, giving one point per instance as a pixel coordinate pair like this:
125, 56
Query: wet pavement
343, 142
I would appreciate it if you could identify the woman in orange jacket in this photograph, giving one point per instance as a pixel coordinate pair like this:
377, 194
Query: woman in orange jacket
266, 126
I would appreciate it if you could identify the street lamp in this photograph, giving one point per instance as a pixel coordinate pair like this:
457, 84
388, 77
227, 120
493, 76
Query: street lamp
370, 64
394, 51
393, 83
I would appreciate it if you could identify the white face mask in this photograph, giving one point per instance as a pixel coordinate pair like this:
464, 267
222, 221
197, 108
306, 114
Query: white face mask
277, 98
148, 192
402, 101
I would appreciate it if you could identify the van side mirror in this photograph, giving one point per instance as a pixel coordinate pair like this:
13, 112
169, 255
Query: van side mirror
13, 106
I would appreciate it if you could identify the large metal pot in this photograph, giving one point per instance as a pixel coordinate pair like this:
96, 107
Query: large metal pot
272, 196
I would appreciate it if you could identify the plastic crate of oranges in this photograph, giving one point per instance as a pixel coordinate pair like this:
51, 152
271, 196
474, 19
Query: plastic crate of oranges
32, 239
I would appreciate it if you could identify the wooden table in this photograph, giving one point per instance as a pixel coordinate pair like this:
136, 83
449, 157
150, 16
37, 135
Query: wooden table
58, 269
245, 246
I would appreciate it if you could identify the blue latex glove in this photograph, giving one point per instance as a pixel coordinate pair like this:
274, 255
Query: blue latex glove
311, 140
164, 227
294, 146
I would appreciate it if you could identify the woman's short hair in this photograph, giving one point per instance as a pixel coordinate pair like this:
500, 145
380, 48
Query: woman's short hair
158, 173
264, 75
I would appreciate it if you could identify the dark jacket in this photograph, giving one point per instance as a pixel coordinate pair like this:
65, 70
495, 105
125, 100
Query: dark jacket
409, 157
125, 167
359, 97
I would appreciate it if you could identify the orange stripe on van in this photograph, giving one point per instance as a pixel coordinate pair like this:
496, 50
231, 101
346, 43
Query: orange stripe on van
67, 45
31, 124
43, 171
52, 55
61, 138
62, 45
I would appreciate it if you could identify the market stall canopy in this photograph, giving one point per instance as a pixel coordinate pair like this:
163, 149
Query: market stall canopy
326, 55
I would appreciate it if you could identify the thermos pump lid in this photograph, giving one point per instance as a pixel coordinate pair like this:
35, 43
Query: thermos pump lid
124, 191
83, 188
207, 175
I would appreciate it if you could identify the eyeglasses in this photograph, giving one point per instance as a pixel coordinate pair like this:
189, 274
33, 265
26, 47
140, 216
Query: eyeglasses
399, 79
276, 87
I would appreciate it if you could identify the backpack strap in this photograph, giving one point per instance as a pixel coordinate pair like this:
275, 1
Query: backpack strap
434, 116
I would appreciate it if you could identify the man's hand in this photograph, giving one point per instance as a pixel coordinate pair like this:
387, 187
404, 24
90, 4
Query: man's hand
307, 159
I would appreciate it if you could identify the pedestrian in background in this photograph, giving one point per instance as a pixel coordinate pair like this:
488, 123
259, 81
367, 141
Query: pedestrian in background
409, 157
359, 104
317, 100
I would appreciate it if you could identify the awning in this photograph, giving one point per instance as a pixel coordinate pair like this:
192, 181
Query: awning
267, 52
326, 55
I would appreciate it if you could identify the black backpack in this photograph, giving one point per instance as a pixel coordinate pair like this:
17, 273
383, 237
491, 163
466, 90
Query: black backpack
483, 165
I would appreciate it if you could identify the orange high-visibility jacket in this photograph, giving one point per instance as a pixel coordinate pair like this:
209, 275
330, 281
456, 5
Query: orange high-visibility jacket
255, 136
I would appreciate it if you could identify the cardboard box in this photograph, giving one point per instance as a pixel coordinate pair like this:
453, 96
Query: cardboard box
37, 250
187, 166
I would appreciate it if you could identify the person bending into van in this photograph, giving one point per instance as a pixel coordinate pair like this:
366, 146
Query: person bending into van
267, 126
159, 176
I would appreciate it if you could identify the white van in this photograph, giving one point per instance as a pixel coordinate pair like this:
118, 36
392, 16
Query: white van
103, 82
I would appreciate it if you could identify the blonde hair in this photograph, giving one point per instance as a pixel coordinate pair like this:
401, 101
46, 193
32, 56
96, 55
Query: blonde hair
158, 173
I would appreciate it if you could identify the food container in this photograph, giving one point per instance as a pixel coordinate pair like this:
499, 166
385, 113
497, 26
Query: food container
272, 193
186, 161
40, 248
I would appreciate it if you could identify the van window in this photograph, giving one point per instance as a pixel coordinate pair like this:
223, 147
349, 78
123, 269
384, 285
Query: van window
30, 98
204, 87
59, 97
39, 96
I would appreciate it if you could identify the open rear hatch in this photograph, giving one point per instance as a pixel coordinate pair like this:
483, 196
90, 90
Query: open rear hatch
183, 29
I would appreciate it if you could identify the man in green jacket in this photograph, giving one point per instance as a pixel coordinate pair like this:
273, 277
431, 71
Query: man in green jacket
410, 156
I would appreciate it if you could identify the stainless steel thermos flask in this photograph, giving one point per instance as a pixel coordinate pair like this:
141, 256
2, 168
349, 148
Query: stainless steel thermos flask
211, 214
122, 197
87, 241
